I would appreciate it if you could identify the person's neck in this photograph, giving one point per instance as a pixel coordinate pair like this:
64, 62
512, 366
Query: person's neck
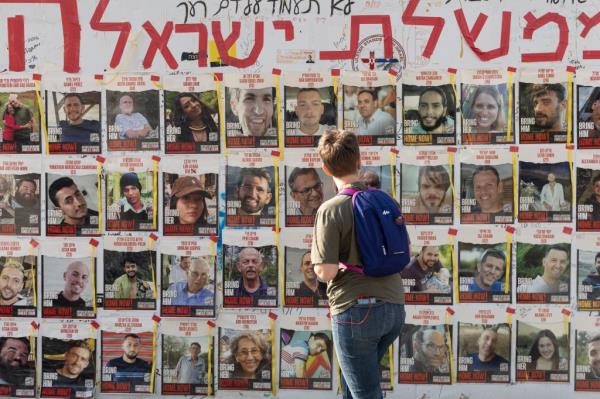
312, 284
194, 358
252, 285
137, 206
480, 283
484, 358
345, 180
549, 280
128, 360
76, 122
69, 296
309, 130
74, 221
6, 302
544, 364
64, 372
131, 278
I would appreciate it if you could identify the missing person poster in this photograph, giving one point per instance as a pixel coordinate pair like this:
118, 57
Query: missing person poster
21, 115
425, 353
426, 192
127, 355
129, 278
302, 288
310, 107
427, 278
73, 114
190, 195
188, 277
486, 186
18, 277
18, 359
20, 188
246, 350
543, 345
192, 120
250, 269
370, 106
306, 187
73, 196
187, 366
429, 108
543, 103
68, 359
68, 278
485, 101
588, 271
305, 353
377, 170
587, 352
132, 112
250, 192
588, 109
484, 353
588, 191
545, 185
251, 117
131, 194
543, 265
484, 265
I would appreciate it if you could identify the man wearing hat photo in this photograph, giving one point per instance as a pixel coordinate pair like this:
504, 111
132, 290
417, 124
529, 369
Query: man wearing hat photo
188, 198
131, 205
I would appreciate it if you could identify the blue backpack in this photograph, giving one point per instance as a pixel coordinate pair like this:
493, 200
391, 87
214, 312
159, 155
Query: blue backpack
383, 244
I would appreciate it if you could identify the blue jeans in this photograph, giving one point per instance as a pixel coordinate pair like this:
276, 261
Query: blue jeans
362, 335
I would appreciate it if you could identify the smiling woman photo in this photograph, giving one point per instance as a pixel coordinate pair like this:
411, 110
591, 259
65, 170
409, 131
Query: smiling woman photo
249, 356
485, 112
544, 353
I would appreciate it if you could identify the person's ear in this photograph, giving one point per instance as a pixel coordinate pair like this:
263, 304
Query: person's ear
326, 170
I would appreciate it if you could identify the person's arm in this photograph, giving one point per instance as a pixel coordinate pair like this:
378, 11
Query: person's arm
561, 194
326, 271
178, 370
325, 245
547, 204
300, 366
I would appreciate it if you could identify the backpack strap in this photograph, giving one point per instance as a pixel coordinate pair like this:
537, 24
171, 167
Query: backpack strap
350, 192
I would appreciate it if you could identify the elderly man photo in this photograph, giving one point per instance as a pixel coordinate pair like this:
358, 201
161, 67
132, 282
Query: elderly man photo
77, 278
434, 197
549, 106
129, 367
12, 282
130, 124
75, 129
250, 265
432, 111
193, 291
486, 359
555, 262
77, 358
129, 285
14, 355
254, 110
253, 190
306, 189
490, 270
430, 352
191, 368
370, 120
66, 196
309, 110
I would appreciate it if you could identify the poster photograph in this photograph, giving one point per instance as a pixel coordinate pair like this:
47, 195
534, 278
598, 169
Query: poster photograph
21, 124
588, 191
587, 353
18, 277
18, 359
588, 272
588, 109
20, 196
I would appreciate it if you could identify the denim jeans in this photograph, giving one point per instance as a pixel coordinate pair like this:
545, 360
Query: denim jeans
362, 335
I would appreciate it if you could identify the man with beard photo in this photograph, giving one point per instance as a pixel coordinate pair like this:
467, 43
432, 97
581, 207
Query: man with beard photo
24, 202
593, 353
77, 277
128, 285
12, 281
306, 189
254, 191
76, 129
250, 264
433, 113
549, 105
433, 182
14, 354
129, 367
66, 196
77, 359
430, 352
422, 267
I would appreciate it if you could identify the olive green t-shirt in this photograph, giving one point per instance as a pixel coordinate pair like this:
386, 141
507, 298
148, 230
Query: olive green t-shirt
334, 242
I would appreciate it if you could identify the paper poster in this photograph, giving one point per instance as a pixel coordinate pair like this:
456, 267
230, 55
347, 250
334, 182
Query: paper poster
18, 277
20, 189
429, 108
250, 111
426, 192
484, 266
127, 355
369, 105
428, 277
588, 109
250, 189
73, 114
188, 277
425, 347
69, 268
485, 106
129, 273
73, 196
543, 103
17, 371
305, 353
543, 265
187, 357
131, 194
588, 191
378, 170
245, 352
486, 186
310, 107
588, 271
132, 112
484, 353
545, 185
21, 115
192, 120
250, 269
543, 345
587, 353
190, 199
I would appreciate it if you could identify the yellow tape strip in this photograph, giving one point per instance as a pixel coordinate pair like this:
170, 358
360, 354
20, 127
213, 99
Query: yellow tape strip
510, 107
151, 247
154, 193
99, 182
336, 84
449, 344
38, 97
158, 85
565, 325
32, 252
393, 172
509, 319
454, 268
279, 115
93, 273
210, 359
221, 116
570, 108
153, 373
570, 156
391, 359
508, 262
276, 172
273, 364
339, 373
454, 196
515, 178
453, 82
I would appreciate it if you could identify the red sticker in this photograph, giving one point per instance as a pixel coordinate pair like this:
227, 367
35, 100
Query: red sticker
450, 310
510, 310
570, 146
272, 316
100, 159
153, 236
156, 318
211, 323
452, 149
394, 151
35, 325
37, 76
452, 231
567, 230
570, 68
275, 153
566, 312
99, 77
276, 229
329, 315
511, 69
214, 238
393, 72
218, 76
33, 243
451, 70
94, 242
155, 78
335, 72
276, 71
95, 324
156, 158
510, 229
514, 148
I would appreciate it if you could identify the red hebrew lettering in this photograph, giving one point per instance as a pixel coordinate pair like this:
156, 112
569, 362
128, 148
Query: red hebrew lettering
472, 35
223, 45
159, 42
534, 24
588, 24
286, 26
123, 27
409, 18
202, 40
355, 22
16, 43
